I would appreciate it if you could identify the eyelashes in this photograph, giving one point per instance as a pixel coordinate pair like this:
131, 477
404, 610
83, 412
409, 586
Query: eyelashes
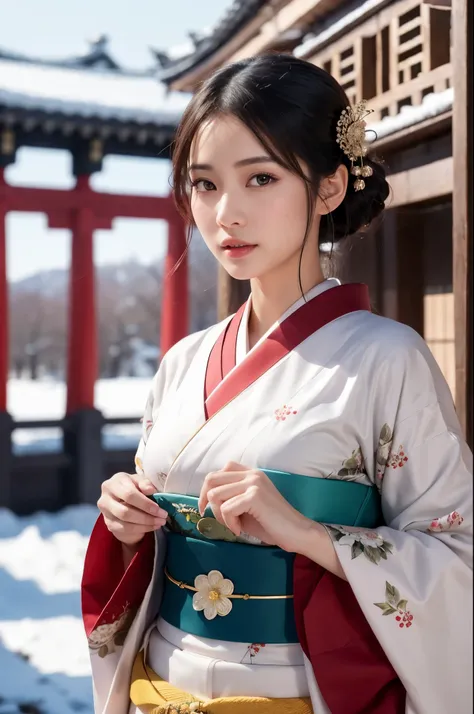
202, 185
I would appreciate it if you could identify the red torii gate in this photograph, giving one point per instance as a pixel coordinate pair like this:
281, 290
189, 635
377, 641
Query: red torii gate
83, 211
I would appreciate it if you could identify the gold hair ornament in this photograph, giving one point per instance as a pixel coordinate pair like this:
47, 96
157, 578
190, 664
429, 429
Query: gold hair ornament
351, 137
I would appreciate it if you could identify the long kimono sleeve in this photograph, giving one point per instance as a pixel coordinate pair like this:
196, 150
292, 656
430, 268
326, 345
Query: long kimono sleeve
111, 595
398, 633
413, 577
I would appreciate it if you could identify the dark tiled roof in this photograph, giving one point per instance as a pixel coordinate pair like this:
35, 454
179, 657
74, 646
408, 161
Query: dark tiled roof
97, 57
236, 17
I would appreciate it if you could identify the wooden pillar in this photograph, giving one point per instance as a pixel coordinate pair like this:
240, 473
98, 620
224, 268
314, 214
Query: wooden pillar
82, 347
400, 290
462, 46
83, 423
4, 314
174, 312
6, 421
231, 294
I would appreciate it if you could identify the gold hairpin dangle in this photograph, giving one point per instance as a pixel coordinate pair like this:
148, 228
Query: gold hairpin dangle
351, 137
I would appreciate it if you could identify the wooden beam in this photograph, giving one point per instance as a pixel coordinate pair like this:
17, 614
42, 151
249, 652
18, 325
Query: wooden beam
416, 134
423, 183
462, 45
440, 4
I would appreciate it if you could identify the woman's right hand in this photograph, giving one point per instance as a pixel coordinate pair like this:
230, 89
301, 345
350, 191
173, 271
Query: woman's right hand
127, 512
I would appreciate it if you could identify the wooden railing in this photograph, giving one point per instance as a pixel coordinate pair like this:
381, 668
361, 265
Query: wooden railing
53, 480
394, 58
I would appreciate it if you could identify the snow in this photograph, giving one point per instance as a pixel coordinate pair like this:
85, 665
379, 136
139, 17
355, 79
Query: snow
43, 650
104, 94
46, 399
433, 104
311, 44
44, 659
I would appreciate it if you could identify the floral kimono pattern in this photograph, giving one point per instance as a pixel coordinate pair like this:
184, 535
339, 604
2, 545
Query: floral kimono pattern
366, 403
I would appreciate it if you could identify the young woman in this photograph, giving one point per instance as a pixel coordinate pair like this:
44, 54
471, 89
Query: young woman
310, 546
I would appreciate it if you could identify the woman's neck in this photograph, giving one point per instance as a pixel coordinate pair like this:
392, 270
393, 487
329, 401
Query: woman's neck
272, 297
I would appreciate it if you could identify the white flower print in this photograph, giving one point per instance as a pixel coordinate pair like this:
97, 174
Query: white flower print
106, 637
211, 595
370, 538
368, 542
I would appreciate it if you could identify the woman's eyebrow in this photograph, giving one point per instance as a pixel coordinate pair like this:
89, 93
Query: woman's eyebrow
242, 162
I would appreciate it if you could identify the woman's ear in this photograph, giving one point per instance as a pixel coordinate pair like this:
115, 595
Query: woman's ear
332, 191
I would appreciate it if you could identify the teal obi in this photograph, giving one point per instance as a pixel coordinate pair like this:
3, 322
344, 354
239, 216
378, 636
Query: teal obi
261, 609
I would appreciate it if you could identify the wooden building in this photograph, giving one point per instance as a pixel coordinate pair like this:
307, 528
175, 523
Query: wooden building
90, 107
409, 59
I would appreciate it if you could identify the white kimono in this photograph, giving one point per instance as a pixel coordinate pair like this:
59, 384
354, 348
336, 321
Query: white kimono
362, 399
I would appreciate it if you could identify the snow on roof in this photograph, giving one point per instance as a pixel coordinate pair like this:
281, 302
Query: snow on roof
336, 26
433, 105
103, 94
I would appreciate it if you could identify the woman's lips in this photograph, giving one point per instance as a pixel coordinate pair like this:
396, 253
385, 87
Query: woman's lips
238, 251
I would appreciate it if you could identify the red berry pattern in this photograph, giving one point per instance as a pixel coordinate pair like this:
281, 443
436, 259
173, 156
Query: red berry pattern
445, 523
395, 605
404, 618
253, 650
398, 459
284, 412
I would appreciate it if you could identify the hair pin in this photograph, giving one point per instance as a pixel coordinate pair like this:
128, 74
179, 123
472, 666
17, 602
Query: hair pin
351, 137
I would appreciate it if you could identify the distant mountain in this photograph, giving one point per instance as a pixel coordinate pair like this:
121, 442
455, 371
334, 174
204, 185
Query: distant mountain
55, 282
202, 281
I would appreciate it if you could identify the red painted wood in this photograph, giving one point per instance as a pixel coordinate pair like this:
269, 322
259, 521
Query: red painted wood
4, 351
83, 210
104, 205
82, 346
174, 313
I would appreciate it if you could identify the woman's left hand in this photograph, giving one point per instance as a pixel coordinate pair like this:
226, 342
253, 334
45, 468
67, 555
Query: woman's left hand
245, 499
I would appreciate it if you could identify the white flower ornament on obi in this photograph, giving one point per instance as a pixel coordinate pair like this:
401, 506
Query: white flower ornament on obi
211, 595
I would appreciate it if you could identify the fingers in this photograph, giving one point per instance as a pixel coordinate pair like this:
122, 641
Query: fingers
122, 487
233, 509
219, 494
214, 479
127, 532
130, 514
127, 511
146, 487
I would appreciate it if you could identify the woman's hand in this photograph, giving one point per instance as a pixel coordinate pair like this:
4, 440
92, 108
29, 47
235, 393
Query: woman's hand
246, 500
127, 512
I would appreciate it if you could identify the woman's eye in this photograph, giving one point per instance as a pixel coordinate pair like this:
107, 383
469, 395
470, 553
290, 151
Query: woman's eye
261, 180
203, 185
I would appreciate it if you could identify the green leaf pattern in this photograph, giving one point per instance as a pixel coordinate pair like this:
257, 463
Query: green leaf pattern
394, 605
382, 453
352, 468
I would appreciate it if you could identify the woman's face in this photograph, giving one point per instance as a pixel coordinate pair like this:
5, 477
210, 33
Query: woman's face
250, 211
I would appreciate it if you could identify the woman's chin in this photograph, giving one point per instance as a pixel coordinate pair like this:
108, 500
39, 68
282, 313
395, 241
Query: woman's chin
240, 272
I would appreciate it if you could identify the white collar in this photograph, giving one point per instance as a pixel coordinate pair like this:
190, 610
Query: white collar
242, 335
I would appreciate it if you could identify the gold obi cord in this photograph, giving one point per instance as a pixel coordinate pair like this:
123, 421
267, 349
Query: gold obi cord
152, 695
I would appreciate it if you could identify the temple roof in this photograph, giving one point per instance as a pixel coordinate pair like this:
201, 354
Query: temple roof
91, 85
204, 44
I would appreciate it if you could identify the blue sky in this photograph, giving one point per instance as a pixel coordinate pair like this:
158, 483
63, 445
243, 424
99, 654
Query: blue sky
61, 28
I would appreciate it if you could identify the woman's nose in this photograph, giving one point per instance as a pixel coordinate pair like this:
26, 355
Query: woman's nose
229, 212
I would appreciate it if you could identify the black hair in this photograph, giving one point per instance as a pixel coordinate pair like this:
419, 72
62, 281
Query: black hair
292, 107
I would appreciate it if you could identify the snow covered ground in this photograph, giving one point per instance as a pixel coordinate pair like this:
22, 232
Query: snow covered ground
44, 664
46, 399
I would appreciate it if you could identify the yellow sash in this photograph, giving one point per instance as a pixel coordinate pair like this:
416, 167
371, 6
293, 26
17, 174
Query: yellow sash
152, 695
